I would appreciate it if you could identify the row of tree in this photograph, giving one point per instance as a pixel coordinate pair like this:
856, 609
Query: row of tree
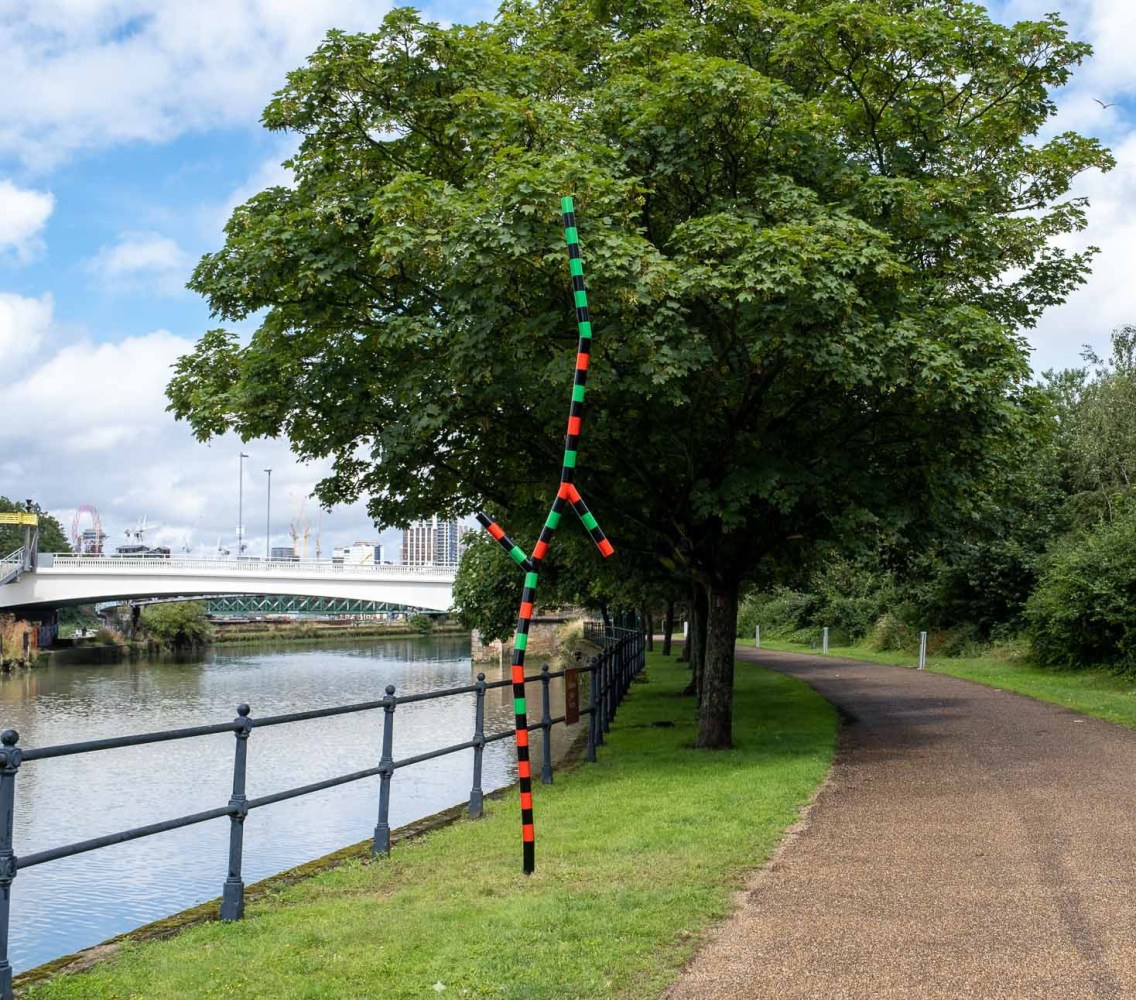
812, 233
1050, 558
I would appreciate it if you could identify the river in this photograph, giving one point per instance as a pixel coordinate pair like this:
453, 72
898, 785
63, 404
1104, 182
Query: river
62, 906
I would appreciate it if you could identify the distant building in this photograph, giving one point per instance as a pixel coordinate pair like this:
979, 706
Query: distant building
359, 554
91, 541
284, 552
432, 543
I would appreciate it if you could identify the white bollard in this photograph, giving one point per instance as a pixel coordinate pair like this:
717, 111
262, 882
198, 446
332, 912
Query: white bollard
757, 638
922, 650
686, 630
824, 642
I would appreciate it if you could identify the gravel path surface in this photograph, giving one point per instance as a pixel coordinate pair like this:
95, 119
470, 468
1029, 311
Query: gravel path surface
970, 842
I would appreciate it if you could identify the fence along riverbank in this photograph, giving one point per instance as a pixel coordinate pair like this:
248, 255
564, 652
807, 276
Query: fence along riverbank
610, 676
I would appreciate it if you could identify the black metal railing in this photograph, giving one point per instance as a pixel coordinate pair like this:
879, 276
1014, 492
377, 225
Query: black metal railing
606, 635
610, 675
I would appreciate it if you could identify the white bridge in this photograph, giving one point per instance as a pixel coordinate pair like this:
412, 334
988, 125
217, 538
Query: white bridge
58, 580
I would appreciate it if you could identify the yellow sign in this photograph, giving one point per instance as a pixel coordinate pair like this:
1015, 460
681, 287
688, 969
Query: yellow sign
18, 517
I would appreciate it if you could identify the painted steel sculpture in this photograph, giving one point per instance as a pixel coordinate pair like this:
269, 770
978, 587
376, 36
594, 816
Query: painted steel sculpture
566, 495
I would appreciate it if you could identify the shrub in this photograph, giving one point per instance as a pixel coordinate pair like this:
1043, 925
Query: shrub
178, 625
1083, 611
422, 624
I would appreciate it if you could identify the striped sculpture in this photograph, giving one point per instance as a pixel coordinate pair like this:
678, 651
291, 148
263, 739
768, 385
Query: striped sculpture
566, 494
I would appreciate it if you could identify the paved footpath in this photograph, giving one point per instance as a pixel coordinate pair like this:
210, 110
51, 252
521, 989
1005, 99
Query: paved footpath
970, 843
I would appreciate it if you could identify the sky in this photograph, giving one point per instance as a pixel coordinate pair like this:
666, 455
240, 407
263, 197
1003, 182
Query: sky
129, 129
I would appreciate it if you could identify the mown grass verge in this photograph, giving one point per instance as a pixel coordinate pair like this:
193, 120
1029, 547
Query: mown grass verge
636, 856
1101, 693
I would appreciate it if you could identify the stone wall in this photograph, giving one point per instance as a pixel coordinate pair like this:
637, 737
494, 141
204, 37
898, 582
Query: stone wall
544, 643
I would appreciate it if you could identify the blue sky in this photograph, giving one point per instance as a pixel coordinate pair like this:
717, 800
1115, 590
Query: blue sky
128, 131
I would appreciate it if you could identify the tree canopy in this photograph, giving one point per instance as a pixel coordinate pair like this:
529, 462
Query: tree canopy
812, 232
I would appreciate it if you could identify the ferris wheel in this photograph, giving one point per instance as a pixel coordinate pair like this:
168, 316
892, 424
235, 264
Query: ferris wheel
89, 541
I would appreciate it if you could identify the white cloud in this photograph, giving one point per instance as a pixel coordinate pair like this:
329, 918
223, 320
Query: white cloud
79, 74
23, 214
141, 259
1108, 299
91, 427
24, 325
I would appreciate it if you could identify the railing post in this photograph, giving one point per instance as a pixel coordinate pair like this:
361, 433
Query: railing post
233, 892
600, 678
593, 669
608, 687
10, 758
545, 728
382, 845
476, 797
613, 684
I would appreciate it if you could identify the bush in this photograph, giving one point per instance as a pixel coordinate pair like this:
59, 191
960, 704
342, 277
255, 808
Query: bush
890, 634
1083, 611
422, 624
178, 625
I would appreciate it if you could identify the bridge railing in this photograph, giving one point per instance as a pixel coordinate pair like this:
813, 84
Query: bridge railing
610, 676
292, 567
11, 565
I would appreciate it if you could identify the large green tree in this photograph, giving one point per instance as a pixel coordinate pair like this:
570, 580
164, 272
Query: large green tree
813, 232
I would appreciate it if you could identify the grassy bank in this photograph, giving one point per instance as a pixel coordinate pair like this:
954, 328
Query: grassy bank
1095, 692
636, 856
230, 635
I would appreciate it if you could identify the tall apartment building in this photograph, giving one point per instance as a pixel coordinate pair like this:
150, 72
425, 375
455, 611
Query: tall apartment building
432, 543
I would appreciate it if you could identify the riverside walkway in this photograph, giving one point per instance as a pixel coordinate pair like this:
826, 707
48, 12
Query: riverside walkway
970, 843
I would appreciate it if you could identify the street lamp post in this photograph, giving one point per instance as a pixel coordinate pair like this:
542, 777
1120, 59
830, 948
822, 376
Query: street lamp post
268, 520
241, 507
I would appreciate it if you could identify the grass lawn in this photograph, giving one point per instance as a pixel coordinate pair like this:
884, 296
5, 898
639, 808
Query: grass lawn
1095, 692
636, 856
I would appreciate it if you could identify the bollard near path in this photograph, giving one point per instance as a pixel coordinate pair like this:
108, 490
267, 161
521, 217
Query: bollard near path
757, 638
824, 642
922, 650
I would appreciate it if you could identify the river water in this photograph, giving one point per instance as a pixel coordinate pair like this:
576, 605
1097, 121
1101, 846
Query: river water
62, 906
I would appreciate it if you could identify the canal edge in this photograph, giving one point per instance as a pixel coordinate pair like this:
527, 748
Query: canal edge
210, 910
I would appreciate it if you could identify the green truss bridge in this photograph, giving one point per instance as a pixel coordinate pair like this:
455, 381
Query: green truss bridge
253, 605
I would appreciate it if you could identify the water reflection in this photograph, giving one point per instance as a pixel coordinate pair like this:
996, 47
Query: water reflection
66, 905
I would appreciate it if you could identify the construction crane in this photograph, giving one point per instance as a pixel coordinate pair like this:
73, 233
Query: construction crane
300, 529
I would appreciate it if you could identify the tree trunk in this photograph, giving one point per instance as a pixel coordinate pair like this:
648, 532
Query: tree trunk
668, 627
716, 705
649, 625
698, 638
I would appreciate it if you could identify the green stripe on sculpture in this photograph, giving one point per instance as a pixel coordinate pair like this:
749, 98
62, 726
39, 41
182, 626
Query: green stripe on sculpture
566, 204
581, 299
518, 706
553, 521
576, 267
530, 581
518, 555
589, 521
520, 641
586, 330
569, 460
571, 236
577, 394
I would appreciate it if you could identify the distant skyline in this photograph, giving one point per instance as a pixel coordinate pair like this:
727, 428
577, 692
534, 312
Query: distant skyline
128, 132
